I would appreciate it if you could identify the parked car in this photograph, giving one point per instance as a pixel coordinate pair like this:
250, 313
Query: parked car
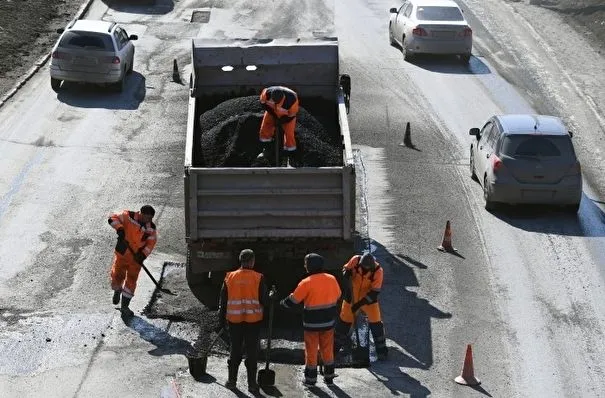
431, 27
91, 51
523, 159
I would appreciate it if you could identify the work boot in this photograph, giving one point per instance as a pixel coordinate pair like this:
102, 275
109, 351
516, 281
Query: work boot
328, 374
252, 384
293, 158
126, 312
232, 368
116, 297
268, 153
310, 377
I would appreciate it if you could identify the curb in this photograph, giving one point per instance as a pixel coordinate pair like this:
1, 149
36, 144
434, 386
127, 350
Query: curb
41, 61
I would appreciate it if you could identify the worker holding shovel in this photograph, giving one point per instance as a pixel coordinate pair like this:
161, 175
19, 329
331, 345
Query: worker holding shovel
242, 300
137, 236
365, 275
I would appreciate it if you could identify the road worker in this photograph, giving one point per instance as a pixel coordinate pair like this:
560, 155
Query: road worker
242, 300
365, 276
281, 107
319, 292
137, 236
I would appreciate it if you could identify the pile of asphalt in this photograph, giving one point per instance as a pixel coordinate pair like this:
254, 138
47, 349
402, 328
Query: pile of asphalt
228, 135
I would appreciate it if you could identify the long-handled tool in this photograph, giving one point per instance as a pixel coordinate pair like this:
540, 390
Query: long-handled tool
359, 353
167, 291
266, 377
278, 140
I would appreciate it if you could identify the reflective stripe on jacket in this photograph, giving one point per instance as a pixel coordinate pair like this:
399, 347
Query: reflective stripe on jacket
364, 286
320, 293
243, 301
140, 236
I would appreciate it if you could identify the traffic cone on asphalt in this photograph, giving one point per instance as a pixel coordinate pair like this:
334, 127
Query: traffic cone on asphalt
407, 137
446, 244
467, 377
176, 77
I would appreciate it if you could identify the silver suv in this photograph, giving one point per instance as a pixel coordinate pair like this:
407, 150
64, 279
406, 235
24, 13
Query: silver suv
91, 51
526, 159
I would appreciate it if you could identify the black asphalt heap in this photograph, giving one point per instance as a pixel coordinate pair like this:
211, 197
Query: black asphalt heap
229, 134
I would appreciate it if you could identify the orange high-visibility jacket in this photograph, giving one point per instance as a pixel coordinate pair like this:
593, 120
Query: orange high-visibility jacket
243, 296
364, 287
139, 236
320, 293
288, 106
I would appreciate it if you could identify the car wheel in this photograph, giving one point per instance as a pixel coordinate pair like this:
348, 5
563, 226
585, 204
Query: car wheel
472, 167
572, 209
465, 58
119, 86
130, 68
406, 54
55, 84
489, 205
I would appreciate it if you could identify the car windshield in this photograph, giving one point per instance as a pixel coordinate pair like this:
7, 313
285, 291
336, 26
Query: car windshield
537, 146
434, 13
87, 40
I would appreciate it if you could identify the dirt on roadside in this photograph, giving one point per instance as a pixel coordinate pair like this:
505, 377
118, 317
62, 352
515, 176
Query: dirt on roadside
27, 32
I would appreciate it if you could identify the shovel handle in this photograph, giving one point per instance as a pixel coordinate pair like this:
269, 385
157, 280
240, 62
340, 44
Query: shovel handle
268, 349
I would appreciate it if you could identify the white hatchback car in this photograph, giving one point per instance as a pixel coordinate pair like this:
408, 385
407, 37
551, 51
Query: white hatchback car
431, 27
91, 51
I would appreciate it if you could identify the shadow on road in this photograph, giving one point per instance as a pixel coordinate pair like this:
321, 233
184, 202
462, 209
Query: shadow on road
95, 96
146, 7
407, 320
588, 222
164, 342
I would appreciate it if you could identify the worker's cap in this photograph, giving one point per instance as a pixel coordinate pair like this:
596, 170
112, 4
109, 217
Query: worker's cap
148, 210
246, 255
314, 262
367, 261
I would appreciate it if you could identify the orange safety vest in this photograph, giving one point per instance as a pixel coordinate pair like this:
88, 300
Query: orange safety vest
243, 303
319, 293
364, 284
288, 106
139, 236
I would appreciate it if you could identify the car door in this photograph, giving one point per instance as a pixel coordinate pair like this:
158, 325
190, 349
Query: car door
483, 149
405, 20
125, 46
402, 21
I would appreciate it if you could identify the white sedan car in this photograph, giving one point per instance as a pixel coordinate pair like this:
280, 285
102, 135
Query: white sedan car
431, 27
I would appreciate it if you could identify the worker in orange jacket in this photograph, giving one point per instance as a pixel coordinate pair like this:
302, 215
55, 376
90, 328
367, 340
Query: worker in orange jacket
137, 236
366, 276
281, 107
319, 292
242, 300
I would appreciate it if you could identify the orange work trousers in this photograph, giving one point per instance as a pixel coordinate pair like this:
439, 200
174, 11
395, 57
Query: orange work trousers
268, 128
371, 310
323, 341
124, 273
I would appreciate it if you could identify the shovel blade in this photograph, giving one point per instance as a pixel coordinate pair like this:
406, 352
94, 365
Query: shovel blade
361, 356
266, 377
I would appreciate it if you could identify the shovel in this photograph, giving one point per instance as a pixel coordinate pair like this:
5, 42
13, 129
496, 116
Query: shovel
266, 377
360, 354
167, 291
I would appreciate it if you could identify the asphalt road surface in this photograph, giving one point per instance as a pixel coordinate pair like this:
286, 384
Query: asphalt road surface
526, 288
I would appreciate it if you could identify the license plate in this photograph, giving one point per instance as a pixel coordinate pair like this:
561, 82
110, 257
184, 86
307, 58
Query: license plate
537, 194
444, 34
84, 61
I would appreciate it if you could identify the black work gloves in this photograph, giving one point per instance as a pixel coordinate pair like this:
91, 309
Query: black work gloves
273, 293
355, 307
139, 257
121, 245
285, 119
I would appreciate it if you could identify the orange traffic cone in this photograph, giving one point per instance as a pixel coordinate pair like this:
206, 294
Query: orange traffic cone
446, 244
467, 377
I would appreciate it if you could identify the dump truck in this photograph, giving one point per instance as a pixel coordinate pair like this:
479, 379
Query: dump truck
282, 213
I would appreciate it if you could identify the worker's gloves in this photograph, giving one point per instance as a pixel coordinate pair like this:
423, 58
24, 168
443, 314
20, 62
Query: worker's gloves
286, 119
355, 307
139, 257
121, 245
273, 293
